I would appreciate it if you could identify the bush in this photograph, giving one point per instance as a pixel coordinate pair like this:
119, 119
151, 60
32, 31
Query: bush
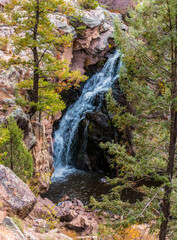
16, 155
88, 4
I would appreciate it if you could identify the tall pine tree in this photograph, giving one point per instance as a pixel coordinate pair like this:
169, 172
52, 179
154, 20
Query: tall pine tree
37, 38
148, 80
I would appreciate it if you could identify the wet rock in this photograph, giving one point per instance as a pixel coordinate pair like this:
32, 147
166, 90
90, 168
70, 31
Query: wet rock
100, 129
15, 196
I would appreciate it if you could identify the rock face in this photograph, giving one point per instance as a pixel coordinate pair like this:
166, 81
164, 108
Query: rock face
43, 164
37, 135
10, 231
93, 44
15, 196
120, 6
90, 47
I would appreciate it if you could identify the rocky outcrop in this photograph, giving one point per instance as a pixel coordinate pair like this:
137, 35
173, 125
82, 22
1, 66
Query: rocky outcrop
121, 6
93, 44
99, 129
71, 215
74, 216
90, 47
37, 135
9, 230
15, 196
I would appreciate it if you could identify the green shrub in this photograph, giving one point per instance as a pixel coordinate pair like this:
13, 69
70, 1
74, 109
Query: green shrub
88, 4
17, 157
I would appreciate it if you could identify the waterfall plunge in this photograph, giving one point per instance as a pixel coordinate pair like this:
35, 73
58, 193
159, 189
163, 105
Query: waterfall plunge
66, 133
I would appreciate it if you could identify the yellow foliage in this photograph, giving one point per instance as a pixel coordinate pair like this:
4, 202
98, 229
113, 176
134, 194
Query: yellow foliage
136, 232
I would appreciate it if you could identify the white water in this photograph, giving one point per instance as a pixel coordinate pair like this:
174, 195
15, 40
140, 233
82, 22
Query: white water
66, 133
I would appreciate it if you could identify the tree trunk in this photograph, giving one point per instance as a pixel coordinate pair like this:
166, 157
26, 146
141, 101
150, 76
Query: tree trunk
173, 136
170, 167
36, 58
11, 155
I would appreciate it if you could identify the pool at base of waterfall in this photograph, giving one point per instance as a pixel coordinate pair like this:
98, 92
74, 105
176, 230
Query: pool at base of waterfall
79, 184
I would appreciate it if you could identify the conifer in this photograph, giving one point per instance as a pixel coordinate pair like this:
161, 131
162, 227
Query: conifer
148, 79
17, 156
36, 38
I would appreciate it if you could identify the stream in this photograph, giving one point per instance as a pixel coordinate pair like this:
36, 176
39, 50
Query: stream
66, 179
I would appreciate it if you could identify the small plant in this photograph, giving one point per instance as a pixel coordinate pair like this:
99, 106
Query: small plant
4, 44
18, 222
88, 4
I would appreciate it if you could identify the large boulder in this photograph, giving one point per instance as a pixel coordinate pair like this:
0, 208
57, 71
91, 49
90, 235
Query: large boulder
16, 197
44, 209
75, 217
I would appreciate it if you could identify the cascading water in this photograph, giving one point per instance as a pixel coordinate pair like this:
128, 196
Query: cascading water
87, 102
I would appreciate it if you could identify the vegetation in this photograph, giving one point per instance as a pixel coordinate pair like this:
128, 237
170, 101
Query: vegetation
146, 163
4, 137
36, 38
16, 154
18, 222
88, 4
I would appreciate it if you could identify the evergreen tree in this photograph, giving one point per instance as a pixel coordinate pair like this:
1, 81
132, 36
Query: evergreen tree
148, 80
17, 156
36, 36
4, 137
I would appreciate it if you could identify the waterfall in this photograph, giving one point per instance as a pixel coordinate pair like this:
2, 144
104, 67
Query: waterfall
89, 101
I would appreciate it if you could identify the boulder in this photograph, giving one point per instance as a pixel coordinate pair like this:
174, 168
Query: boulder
75, 217
9, 224
7, 234
83, 223
10, 231
45, 209
54, 235
16, 197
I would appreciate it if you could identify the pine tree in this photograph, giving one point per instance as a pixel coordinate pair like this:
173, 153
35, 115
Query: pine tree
17, 156
36, 36
4, 137
148, 80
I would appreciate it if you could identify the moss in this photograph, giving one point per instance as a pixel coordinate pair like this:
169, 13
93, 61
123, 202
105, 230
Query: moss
90, 128
109, 123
